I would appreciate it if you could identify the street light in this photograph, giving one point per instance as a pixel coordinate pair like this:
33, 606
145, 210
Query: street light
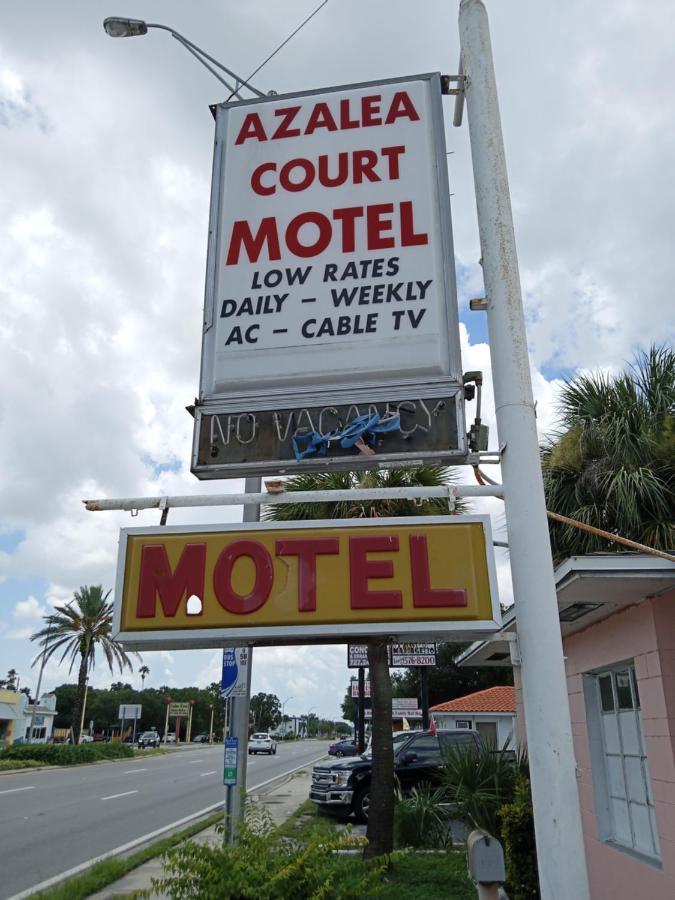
309, 712
116, 26
283, 707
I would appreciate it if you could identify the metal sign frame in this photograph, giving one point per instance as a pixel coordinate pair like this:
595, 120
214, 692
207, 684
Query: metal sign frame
341, 388
307, 634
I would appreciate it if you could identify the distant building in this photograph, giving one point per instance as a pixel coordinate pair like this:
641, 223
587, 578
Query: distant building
492, 713
43, 723
12, 716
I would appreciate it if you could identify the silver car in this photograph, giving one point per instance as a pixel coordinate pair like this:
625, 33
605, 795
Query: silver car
262, 742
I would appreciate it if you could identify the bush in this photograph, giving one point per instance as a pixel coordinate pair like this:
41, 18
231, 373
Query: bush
66, 754
12, 765
420, 819
479, 781
520, 852
263, 867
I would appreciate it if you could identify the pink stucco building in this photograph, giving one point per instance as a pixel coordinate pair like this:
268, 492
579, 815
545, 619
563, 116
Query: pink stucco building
617, 617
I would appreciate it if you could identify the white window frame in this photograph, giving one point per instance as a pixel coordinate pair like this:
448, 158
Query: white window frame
600, 757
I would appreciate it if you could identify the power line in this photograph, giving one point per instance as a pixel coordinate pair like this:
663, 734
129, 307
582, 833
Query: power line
299, 28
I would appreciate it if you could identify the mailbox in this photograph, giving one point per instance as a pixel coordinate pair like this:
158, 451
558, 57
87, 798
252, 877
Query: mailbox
486, 858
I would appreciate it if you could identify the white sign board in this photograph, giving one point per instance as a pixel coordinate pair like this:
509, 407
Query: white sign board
234, 678
355, 689
330, 275
399, 713
404, 703
129, 711
412, 654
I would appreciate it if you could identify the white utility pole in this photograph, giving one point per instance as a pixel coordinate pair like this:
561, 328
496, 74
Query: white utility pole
239, 715
557, 818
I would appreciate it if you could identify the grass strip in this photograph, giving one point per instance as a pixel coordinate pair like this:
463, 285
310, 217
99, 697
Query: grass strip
107, 871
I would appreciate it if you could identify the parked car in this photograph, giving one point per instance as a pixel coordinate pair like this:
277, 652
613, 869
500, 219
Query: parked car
86, 739
200, 739
344, 787
171, 737
262, 742
148, 739
348, 747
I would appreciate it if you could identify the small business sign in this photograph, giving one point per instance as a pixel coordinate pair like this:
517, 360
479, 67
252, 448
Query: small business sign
129, 711
234, 680
181, 710
404, 703
411, 653
265, 583
330, 335
230, 761
355, 689
399, 713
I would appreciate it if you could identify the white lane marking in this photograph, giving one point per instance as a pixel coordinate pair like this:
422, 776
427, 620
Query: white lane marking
115, 796
143, 839
133, 771
193, 761
204, 774
14, 790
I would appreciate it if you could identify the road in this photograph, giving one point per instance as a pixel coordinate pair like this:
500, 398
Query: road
54, 819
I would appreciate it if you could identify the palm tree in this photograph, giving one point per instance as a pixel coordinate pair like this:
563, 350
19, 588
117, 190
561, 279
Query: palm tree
612, 462
77, 628
381, 800
144, 671
12, 676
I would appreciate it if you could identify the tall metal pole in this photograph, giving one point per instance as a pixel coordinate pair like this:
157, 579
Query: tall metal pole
239, 715
560, 845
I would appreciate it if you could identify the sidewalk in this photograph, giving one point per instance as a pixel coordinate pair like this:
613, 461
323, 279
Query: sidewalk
281, 799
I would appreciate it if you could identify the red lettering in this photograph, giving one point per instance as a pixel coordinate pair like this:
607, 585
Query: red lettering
252, 127
256, 183
401, 108
322, 241
343, 169
284, 176
364, 162
370, 107
320, 117
392, 154
242, 236
423, 594
361, 569
345, 121
408, 236
307, 550
287, 116
347, 216
229, 599
157, 579
376, 224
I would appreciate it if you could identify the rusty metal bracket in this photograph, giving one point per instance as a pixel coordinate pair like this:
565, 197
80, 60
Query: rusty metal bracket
447, 80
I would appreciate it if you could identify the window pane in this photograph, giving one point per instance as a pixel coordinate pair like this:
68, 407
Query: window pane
635, 782
606, 695
615, 777
630, 733
635, 687
426, 748
610, 729
623, 692
622, 832
642, 828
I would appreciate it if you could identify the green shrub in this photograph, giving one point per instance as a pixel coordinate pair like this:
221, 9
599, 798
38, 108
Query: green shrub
263, 867
479, 781
66, 754
520, 852
11, 765
420, 819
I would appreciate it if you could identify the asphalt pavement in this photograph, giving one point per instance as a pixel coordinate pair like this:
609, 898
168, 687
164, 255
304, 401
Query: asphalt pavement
54, 819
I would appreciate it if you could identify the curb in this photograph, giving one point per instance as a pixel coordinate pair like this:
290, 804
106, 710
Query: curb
144, 839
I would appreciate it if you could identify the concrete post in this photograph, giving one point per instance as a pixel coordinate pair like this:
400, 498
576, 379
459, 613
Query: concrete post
560, 846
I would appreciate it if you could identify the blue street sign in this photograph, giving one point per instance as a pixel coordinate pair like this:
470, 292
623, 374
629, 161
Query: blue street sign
230, 670
230, 762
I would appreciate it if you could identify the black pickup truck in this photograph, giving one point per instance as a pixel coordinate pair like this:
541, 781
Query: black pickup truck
344, 787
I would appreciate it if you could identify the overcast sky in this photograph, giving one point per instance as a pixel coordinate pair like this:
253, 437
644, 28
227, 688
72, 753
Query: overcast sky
105, 164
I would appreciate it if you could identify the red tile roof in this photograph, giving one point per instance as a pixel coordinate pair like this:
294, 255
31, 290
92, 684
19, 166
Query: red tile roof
494, 699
